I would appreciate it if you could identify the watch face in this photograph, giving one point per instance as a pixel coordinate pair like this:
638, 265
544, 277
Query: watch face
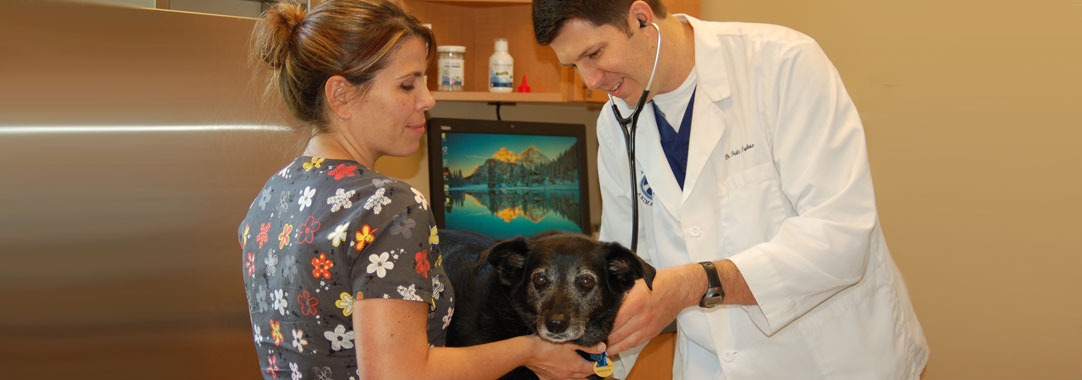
713, 297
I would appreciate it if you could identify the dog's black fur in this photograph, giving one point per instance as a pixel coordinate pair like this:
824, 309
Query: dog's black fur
565, 287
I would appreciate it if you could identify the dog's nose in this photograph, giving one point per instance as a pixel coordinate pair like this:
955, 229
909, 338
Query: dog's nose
556, 323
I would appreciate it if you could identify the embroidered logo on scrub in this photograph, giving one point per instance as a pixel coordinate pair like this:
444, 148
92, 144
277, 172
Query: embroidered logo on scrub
646, 194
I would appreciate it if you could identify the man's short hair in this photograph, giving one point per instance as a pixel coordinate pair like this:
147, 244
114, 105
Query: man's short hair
549, 16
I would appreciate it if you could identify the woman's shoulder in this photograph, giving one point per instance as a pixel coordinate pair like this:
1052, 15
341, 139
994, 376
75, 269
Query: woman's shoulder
341, 184
328, 173
394, 189
376, 192
392, 197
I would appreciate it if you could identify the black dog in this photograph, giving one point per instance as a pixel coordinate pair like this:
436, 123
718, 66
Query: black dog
564, 287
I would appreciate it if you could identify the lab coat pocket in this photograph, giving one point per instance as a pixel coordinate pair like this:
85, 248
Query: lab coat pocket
753, 207
859, 316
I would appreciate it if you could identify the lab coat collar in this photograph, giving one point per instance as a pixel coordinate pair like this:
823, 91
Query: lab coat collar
709, 61
708, 121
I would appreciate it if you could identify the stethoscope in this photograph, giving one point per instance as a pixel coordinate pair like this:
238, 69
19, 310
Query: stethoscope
628, 127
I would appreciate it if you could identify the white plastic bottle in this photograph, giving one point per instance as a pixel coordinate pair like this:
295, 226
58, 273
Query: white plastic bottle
501, 68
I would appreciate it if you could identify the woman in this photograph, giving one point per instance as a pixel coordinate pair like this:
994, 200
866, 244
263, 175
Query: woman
341, 264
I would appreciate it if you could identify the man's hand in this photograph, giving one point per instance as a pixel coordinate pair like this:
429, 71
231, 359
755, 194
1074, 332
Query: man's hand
644, 313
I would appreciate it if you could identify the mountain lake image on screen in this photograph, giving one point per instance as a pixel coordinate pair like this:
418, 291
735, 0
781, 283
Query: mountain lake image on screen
504, 185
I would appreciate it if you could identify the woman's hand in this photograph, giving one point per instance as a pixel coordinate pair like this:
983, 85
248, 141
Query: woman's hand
559, 360
392, 343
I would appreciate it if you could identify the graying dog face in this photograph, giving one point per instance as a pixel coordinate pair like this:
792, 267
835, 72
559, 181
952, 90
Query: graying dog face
563, 298
564, 286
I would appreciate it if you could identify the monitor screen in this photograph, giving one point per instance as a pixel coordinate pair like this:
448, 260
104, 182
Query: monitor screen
508, 178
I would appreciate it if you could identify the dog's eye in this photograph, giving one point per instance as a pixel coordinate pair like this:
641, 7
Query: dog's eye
540, 280
586, 282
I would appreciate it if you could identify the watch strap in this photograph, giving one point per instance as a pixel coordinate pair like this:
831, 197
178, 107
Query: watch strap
714, 293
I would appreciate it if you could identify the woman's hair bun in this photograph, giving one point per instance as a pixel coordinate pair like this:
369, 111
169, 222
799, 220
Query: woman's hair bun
276, 32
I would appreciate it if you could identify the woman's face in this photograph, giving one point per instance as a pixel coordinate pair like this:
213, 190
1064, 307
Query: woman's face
389, 119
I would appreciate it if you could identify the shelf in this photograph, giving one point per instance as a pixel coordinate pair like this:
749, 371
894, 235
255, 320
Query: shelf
485, 96
477, 27
476, 24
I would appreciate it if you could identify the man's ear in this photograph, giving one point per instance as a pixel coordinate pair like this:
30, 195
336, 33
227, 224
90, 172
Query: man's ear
639, 15
338, 92
625, 267
509, 259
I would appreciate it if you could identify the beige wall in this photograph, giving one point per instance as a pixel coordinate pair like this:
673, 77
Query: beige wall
973, 112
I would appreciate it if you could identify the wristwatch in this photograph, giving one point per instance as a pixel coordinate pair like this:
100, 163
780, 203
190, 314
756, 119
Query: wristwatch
714, 293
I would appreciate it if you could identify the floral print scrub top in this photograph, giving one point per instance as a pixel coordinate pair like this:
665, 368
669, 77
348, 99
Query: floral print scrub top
320, 235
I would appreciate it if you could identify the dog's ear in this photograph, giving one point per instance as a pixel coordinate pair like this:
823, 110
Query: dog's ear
625, 267
509, 258
544, 234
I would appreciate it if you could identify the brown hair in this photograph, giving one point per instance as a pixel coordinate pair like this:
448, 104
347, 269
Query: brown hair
550, 15
351, 38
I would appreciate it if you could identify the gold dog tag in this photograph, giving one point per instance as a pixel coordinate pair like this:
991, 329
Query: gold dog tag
603, 366
603, 370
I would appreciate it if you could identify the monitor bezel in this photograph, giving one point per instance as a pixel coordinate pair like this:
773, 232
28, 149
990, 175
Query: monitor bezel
437, 126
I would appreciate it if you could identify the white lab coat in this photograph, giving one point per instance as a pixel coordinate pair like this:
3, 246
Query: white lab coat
778, 182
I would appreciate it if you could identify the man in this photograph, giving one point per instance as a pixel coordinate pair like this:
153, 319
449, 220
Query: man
754, 196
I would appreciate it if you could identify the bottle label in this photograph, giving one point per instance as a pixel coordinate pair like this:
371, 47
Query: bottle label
500, 75
452, 72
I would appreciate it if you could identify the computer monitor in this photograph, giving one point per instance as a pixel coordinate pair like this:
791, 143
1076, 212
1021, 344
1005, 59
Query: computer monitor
508, 178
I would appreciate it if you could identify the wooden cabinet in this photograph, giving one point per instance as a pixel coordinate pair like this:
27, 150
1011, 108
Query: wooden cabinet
476, 24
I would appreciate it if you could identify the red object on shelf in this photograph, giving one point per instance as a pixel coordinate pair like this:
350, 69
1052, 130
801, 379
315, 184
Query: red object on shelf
524, 87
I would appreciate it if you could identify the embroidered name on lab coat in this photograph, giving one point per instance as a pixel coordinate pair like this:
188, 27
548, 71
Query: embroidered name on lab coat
737, 152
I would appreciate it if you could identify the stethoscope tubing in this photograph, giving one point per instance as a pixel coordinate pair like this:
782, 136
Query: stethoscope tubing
628, 126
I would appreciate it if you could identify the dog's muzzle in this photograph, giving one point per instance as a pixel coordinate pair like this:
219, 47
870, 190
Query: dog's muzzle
556, 323
558, 328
